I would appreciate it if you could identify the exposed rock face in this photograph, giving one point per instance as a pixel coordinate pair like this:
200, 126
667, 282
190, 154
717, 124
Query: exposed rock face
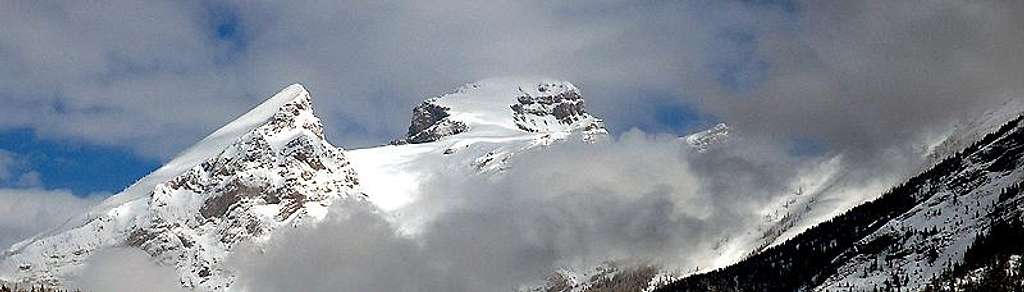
429, 123
281, 173
554, 106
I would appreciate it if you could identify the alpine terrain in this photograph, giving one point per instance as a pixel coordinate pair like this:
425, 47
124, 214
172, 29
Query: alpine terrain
273, 168
952, 227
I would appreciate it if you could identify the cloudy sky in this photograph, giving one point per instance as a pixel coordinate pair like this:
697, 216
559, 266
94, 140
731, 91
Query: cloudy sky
122, 86
96, 94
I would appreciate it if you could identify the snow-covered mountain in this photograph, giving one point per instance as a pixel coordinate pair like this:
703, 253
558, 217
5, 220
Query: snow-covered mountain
270, 168
273, 168
474, 130
503, 107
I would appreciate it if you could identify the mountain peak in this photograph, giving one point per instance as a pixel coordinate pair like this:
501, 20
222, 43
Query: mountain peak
290, 108
297, 112
501, 107
269, 168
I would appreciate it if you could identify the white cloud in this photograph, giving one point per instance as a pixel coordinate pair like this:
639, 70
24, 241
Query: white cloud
126, 269
27, 212
353, 250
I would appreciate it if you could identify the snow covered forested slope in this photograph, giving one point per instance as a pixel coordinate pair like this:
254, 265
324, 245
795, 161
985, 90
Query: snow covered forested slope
905, 240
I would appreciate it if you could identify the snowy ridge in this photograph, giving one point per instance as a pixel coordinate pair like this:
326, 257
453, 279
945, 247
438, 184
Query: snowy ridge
475, 129
268, 169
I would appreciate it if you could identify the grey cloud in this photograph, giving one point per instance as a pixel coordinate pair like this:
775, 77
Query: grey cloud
867, 77
875, 82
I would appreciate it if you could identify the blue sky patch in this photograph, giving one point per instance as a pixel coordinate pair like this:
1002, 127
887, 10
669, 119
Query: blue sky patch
83, 169
225, 26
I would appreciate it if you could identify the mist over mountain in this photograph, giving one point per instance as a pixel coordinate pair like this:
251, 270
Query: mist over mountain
533, 146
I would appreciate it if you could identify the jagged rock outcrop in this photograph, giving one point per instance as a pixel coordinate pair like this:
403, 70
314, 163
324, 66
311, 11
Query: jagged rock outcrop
429, 123
553, 107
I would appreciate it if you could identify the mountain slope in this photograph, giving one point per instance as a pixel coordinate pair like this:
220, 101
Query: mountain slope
904, 238
474, 130
270, 168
